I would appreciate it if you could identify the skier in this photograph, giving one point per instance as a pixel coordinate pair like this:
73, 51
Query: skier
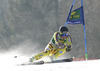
60, 43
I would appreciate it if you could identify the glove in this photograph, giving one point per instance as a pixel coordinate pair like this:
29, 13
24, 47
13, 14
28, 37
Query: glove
61, 45
68, 48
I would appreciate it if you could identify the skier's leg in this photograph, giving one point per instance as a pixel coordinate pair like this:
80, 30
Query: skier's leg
39, 56
52, 58
60, 52
47, 51
53, 55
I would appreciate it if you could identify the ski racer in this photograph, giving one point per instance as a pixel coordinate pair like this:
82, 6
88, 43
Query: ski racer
60, 43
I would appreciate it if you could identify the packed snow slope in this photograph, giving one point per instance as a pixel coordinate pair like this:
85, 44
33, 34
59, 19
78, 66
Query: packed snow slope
9, 63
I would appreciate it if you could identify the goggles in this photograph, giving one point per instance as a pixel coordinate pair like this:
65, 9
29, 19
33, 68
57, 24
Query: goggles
64, 34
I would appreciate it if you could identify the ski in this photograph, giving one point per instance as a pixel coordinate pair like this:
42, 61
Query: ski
43, 62
60, 61
32, 63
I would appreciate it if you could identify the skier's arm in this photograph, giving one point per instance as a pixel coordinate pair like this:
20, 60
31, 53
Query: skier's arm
69, 43
56, 38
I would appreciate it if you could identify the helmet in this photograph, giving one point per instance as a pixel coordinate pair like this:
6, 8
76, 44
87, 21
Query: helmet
63, 29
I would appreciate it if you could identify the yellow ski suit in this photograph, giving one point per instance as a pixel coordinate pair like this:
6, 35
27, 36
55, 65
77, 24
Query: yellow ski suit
56, 47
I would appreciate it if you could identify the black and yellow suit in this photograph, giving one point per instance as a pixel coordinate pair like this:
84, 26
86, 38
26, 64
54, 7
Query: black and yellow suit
56, 47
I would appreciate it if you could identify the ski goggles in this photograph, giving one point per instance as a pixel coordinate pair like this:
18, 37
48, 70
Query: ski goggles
64, 34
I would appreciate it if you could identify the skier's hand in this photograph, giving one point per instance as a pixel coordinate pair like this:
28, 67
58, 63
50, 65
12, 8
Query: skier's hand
61, 45
68, 48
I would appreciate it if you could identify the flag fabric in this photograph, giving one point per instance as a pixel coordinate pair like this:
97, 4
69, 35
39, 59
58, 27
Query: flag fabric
76, 16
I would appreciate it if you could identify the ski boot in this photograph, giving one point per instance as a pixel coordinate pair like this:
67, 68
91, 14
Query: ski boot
32, 59
52, 58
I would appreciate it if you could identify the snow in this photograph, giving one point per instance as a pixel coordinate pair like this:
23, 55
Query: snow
9, 63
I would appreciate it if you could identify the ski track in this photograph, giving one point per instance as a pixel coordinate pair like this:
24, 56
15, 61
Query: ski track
9, 63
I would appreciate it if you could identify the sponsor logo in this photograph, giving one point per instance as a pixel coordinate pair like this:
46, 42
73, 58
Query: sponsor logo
60, 52
41, 55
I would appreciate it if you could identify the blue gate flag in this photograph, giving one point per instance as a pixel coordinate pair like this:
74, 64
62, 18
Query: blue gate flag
76, 16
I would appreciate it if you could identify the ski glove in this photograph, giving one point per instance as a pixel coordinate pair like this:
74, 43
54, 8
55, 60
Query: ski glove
68, 48
61, 45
